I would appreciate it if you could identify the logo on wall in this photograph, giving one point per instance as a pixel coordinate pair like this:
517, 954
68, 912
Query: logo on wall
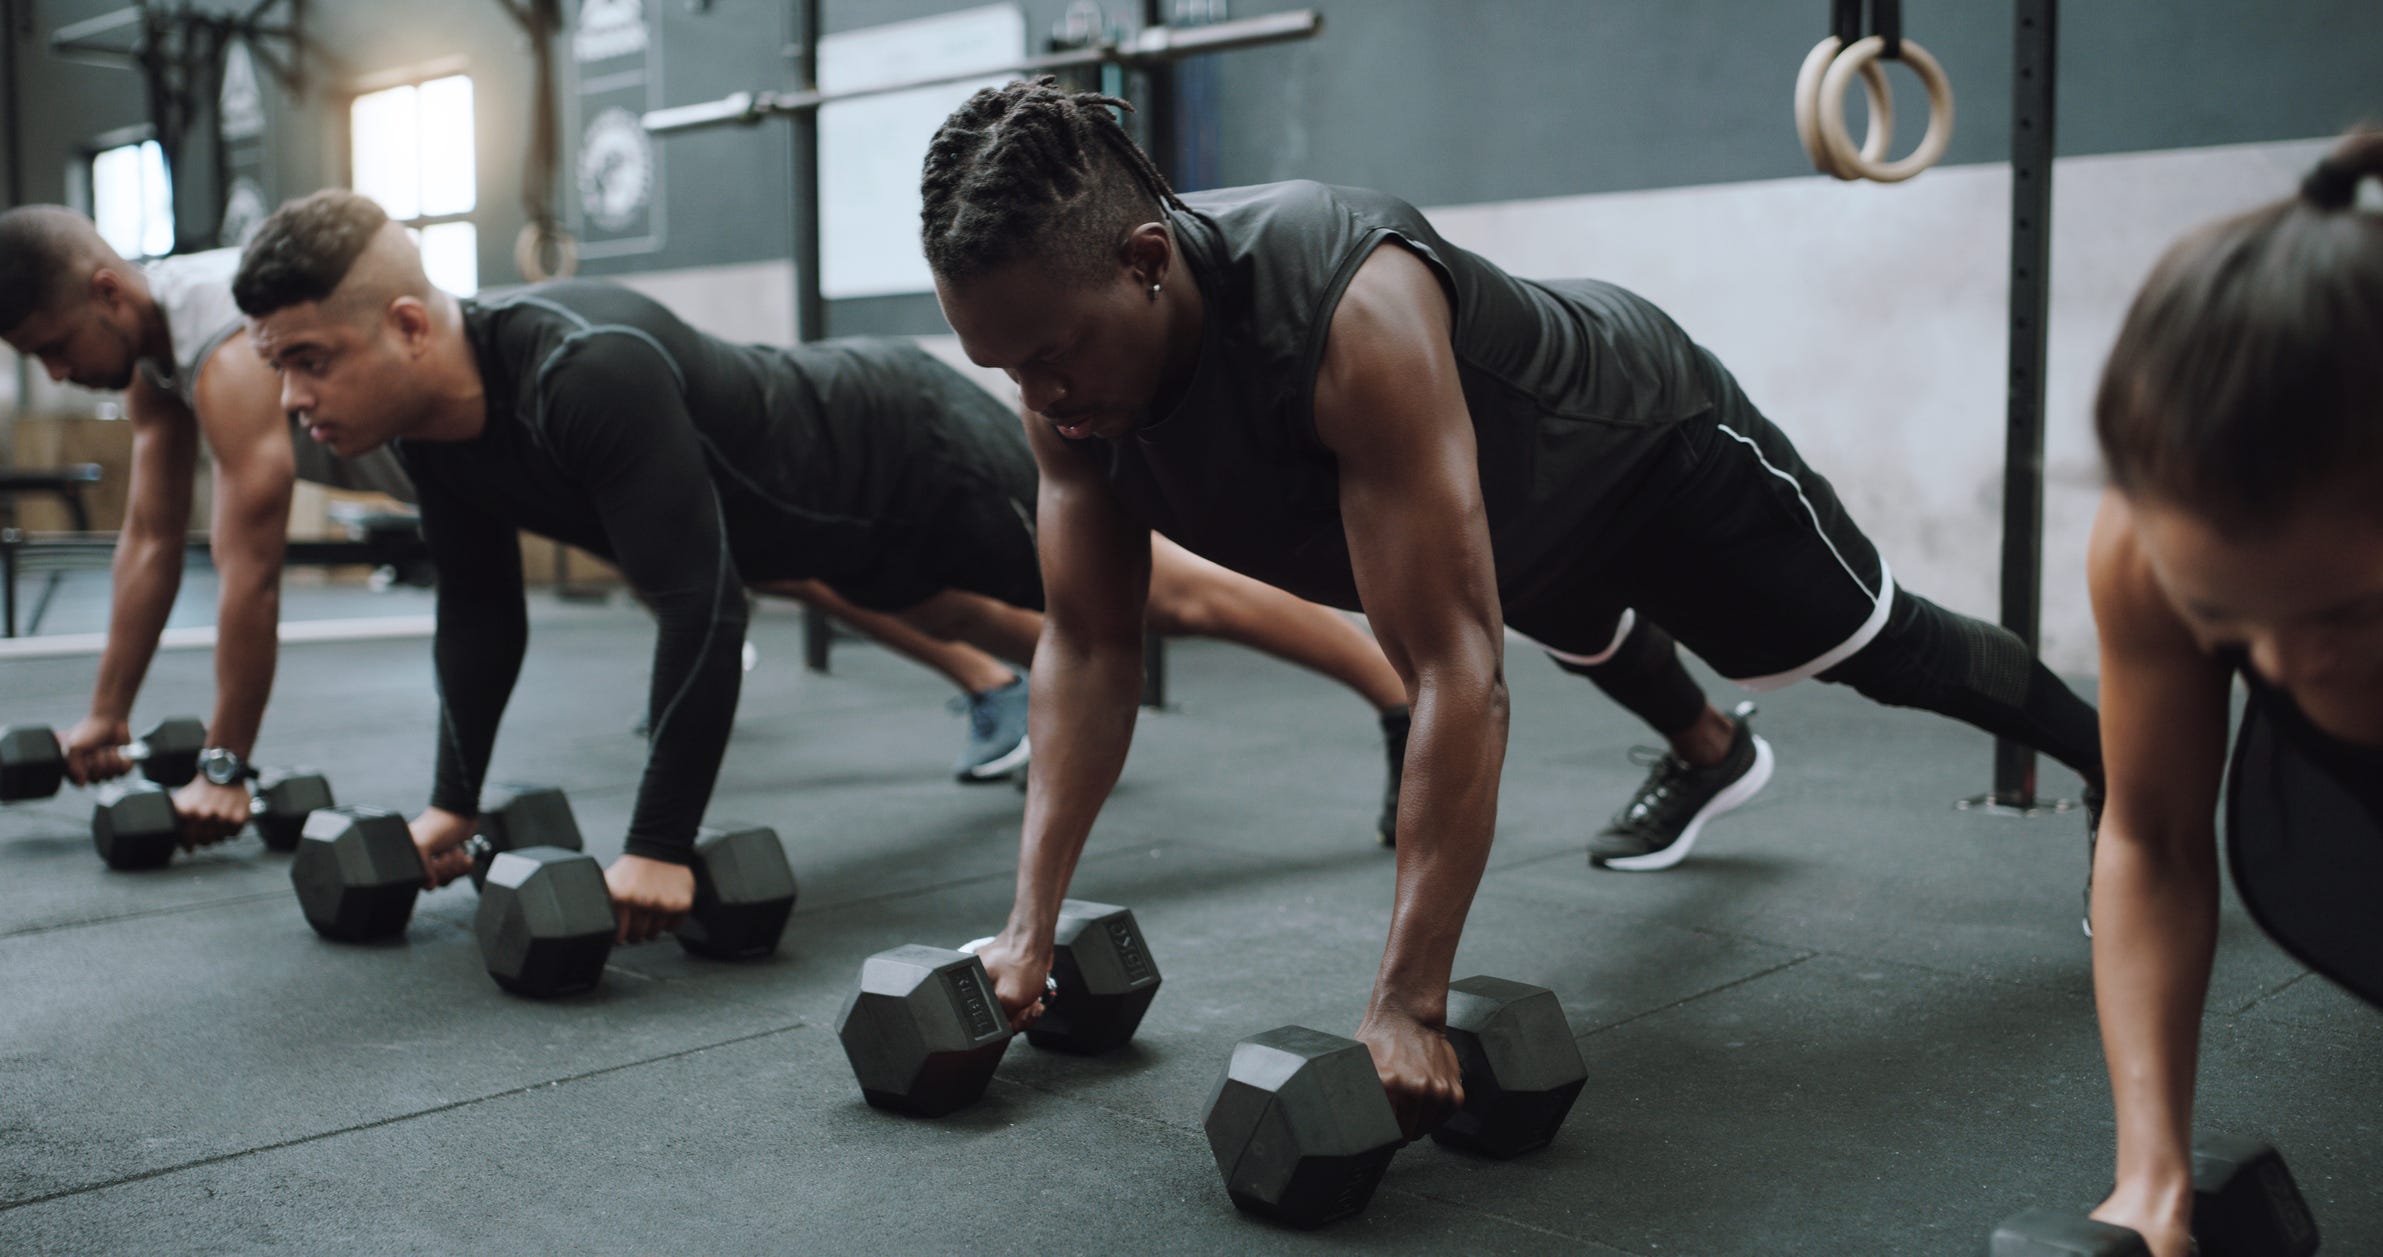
608, 29
244, 211
241, 105
616, 171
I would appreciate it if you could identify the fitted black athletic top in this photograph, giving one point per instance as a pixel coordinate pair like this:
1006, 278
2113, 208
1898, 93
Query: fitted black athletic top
692, 463
1571, 385
2304, 835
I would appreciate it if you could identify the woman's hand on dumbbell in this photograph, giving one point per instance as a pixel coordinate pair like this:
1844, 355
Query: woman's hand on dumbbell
2161, 1214
1021, 969
211, 813
439, 838
95, 749
1419, 1071
649, 897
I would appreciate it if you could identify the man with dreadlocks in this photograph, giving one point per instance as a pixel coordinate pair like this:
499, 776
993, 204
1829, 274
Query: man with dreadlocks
1409, 431
590, 414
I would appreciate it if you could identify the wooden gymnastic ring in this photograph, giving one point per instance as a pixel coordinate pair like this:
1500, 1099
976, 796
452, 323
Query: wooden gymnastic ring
1882, 109
529, 253
1862, 55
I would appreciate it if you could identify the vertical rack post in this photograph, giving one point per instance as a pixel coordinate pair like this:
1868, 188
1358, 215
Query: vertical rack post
810, 308
2034, 59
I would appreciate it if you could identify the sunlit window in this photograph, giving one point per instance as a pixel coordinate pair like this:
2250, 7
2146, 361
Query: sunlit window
132, 200
411, 150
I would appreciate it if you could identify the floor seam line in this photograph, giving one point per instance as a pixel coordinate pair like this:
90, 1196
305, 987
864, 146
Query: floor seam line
392, 1120
1690, 999
58, 926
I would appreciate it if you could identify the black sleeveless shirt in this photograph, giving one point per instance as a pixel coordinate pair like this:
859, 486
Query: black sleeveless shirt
2304, 837
1574, 388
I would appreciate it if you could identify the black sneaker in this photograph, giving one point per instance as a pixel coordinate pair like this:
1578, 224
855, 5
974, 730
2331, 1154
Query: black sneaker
1661, 823
2095, 797
1395, 723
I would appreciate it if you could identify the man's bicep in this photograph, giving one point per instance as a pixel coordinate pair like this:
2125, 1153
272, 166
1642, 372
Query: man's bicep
165, 459
1095, 557
1390, 406
239, 410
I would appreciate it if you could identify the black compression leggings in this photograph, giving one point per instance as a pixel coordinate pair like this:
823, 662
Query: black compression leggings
1977, 673
1644, 674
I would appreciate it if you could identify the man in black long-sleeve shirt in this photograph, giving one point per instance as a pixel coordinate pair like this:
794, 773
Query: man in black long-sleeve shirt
592, 415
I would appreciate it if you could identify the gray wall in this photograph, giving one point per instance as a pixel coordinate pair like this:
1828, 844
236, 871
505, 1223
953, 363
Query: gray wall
1439, 101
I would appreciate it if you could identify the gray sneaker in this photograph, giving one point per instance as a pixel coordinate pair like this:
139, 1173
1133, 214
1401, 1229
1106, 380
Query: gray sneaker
1662, 821
996, 745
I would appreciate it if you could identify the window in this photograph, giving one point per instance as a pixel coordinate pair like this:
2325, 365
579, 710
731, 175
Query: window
132, 199
411, 149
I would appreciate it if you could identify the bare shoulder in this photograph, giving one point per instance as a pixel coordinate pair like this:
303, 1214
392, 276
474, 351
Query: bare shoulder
237, 392
1388, 344
2129, 610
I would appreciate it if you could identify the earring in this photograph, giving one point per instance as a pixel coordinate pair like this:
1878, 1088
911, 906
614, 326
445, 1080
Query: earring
1154, 292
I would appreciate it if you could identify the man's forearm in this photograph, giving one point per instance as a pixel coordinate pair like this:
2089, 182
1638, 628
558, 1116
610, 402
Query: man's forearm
2155, 931
247, 642
1080, 721
145, 577
1448, 812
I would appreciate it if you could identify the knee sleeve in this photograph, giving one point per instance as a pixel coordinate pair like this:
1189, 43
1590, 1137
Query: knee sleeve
1930, 658
1644, 674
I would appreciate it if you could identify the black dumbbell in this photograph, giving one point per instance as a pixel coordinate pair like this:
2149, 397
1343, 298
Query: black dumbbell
135, 826
1302, 1130
912, 1054
33, 761
1101, 982
2245, 1204
357, 872
923, 1030
541, 910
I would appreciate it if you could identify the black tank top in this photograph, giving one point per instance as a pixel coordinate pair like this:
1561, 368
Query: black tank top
2304, 836
1573, 386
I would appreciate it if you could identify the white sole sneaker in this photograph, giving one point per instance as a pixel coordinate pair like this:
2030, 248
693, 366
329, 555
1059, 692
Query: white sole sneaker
996, 769
1730, 799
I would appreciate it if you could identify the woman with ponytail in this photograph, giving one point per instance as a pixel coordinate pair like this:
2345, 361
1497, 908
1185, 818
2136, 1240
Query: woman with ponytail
2241, 418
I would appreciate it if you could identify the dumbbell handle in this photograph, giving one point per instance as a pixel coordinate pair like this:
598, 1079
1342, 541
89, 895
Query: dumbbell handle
1050, 984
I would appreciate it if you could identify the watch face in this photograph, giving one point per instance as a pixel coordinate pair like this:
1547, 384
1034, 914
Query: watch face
221, 766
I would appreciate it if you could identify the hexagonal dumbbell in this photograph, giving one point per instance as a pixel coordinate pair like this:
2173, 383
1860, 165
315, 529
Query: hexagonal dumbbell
545, 922
923, 1030
1300, 1127
744, 892
515, 816
1103, 976
1522, 1070
2245, 1204
536, 941
357, 873
1302, 1131
33, 762
135, 826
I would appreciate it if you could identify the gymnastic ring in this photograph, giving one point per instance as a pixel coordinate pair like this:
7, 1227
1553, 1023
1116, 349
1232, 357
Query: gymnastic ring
529, 253
1933, 142
1882, 109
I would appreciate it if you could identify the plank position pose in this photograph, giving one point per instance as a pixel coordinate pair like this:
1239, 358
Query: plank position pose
2241, 418
1309, 385
168, 335
592, 415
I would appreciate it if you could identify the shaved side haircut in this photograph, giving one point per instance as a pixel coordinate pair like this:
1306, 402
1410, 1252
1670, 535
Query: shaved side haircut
43, 249
311, 248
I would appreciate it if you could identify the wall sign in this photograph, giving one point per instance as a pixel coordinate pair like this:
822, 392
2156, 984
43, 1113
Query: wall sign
617, 208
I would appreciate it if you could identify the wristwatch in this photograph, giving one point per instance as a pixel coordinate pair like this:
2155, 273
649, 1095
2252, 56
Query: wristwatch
222, 766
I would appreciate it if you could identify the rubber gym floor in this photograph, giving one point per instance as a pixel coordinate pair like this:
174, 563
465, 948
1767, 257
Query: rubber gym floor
1855, 1022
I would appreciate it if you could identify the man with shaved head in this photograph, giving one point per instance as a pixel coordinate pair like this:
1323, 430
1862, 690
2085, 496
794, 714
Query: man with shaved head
590, 414
169, 336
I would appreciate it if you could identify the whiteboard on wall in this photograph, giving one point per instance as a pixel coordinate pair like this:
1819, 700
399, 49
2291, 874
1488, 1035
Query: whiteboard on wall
870, 149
